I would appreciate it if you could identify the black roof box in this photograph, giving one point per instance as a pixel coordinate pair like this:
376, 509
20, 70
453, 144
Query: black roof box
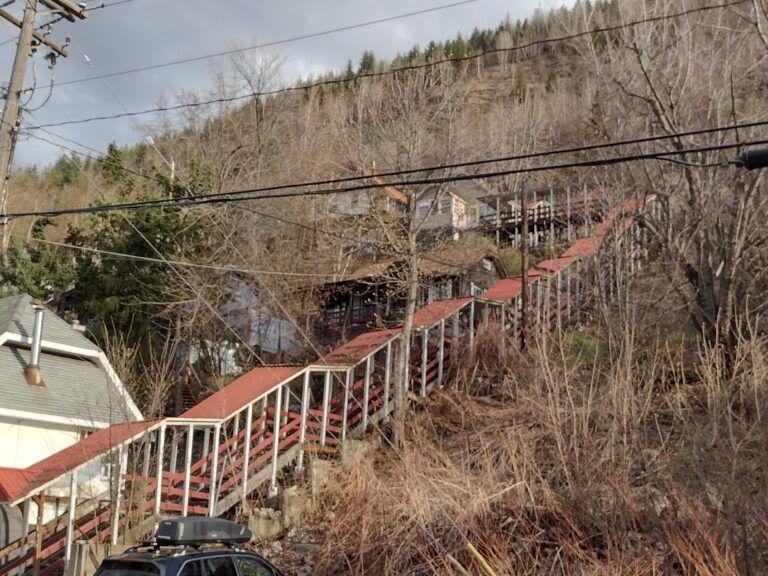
194, 530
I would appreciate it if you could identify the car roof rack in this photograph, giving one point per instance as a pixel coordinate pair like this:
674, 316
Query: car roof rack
193, 531
142, 544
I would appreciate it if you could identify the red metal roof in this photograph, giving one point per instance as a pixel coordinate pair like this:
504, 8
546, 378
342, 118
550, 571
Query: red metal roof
16, 484
12, 481
391, 191
356, 350
242, 391
588, 246
584, 246
555, 264
432, 313
623, 210
508, 288
504, 290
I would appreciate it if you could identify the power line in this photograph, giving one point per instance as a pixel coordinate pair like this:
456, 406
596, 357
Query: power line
385, 247
59, 18
410, 67
380, 245
242, 195
62, 146
125, 256
477, 162
249, 271
82, 154
338, 276
268, 44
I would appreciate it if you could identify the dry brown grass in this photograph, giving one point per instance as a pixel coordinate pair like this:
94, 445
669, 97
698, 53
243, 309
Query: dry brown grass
551, 463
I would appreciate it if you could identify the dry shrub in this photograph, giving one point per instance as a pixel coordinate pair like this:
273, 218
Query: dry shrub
552, 465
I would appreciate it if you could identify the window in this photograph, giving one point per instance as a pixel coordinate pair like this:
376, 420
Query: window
357, 308
219, 566
128, 568
191, 569
487, 264
252, 567
423, 208
445, 205
106, 469
432, 293
336, 312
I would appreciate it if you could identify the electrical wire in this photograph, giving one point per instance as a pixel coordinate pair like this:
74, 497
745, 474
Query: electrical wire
78, 152
47, 98
342, 81
693, 164
257, 193
125, 256
269, 44
382, 246
477, 162
60, 18
271, 369
75, 142
436, 260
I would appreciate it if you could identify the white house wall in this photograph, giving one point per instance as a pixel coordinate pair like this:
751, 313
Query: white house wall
24, 442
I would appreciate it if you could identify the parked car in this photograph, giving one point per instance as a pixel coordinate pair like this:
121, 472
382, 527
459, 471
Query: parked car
191, 546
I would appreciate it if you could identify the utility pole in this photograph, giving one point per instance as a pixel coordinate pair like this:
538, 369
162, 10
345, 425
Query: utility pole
29, 40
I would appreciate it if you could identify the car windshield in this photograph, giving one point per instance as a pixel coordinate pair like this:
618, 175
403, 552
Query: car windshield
127, 568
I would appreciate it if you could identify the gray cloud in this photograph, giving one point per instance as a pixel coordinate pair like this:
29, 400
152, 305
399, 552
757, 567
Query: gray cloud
146, 32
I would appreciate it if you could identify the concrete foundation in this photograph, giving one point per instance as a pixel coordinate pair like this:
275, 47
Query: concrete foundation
319, 474
353, 450
265, 523
296, 505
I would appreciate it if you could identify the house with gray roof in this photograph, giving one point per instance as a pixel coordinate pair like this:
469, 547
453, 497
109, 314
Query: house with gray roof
56, 386
451, 208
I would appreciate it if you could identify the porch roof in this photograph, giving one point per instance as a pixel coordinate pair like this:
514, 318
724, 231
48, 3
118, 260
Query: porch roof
432, 313
17, 484
508, 288
584, 246
356, 350
554, 265
242, 391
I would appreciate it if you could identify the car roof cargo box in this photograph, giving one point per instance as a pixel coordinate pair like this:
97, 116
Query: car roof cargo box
195, 530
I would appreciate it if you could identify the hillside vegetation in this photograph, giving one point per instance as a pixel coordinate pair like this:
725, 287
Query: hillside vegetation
631, 441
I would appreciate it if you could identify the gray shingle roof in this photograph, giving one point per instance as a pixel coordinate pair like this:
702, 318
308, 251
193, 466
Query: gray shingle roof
74, 387
17, 317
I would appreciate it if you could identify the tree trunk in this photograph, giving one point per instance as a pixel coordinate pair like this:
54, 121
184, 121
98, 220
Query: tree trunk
401, 379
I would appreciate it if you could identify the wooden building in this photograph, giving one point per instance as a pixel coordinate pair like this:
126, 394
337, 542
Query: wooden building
373, 295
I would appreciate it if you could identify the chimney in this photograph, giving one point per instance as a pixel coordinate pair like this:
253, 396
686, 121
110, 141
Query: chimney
32, 371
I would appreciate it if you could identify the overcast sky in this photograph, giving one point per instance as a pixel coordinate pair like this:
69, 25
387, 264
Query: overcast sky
144, 32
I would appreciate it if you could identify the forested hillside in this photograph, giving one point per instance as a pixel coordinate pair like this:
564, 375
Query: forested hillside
630, 442
521, 90
494, 103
